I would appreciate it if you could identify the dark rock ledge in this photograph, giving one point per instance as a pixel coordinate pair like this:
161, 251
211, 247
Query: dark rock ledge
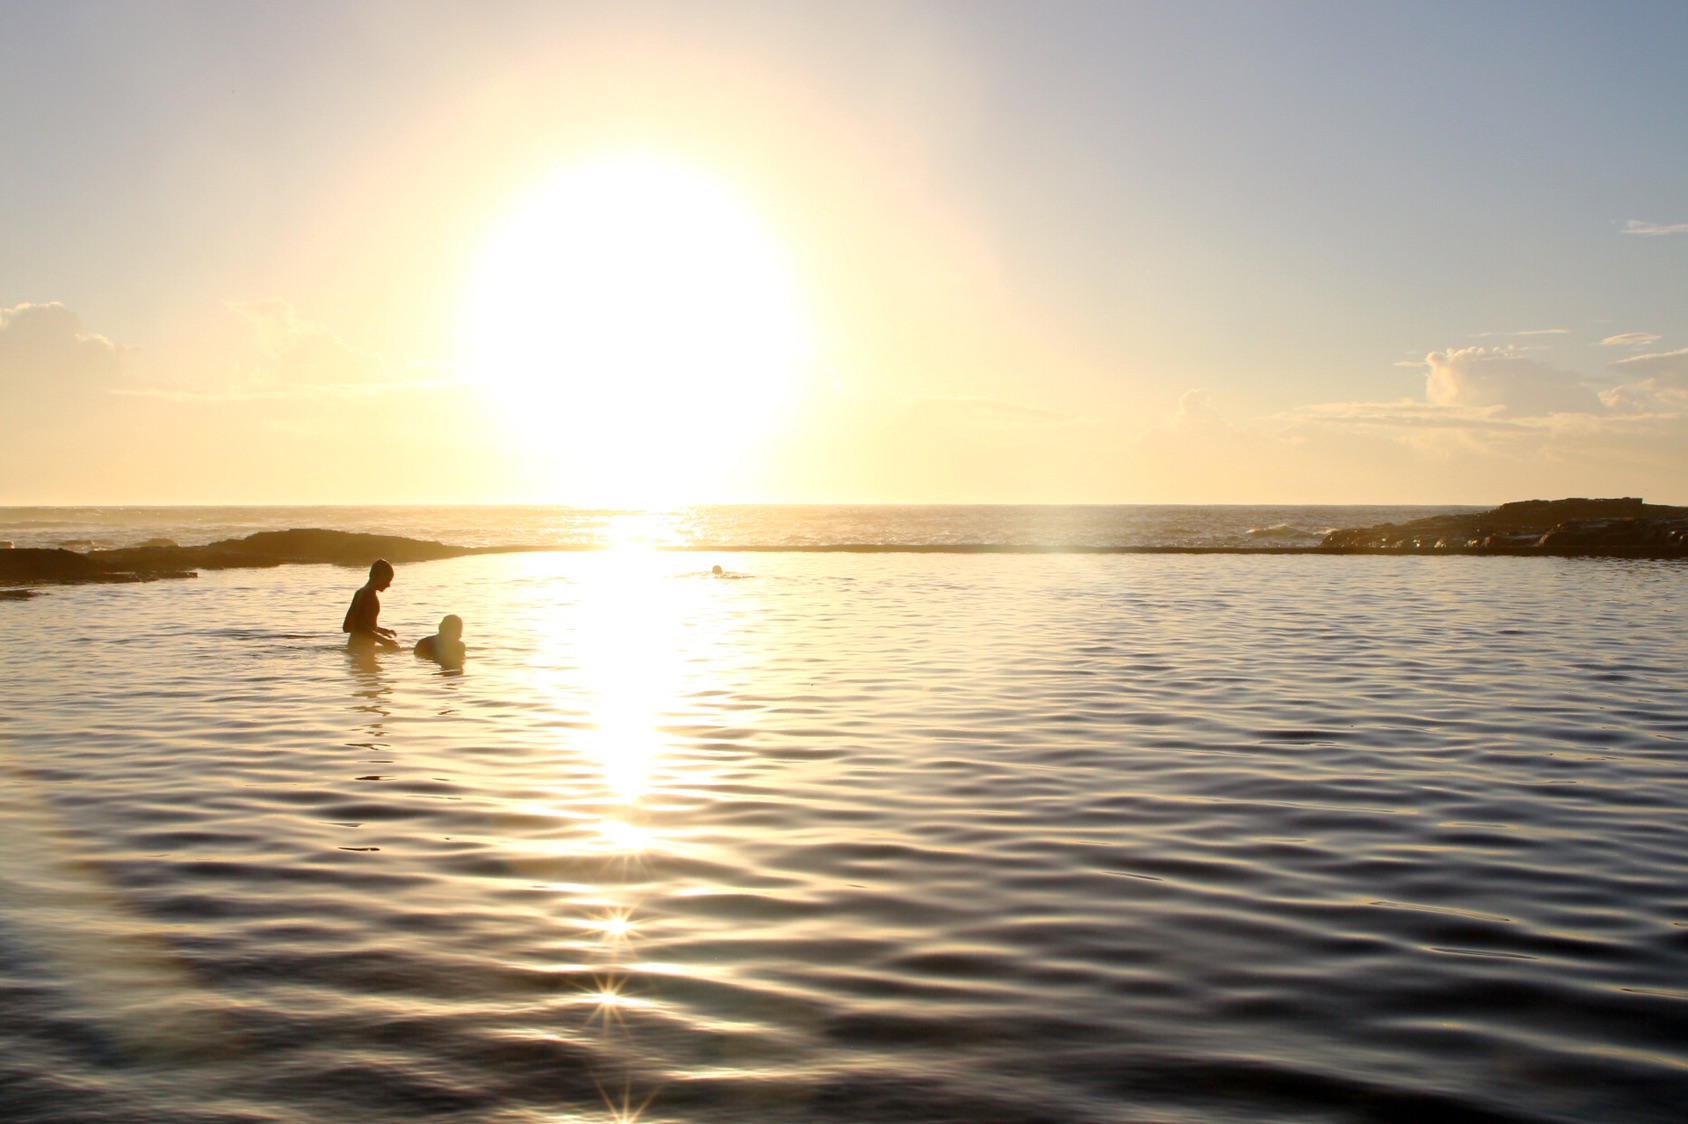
29, 566
1570, 528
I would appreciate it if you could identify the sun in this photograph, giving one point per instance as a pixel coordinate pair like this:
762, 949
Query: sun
637, 324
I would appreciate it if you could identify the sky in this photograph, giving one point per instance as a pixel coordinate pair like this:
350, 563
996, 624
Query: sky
653, 253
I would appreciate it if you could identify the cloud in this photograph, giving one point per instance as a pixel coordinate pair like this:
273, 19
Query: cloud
1406, 415
296, 351
287, 356
43, 348
1649, 396
1658, 383
1637, 226
1195, 414
1505, 381
985, 413
1486, 400
1631, 339
1667, 364
1523, 332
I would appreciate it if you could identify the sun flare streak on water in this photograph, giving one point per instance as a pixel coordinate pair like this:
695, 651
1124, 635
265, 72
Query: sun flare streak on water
638, 641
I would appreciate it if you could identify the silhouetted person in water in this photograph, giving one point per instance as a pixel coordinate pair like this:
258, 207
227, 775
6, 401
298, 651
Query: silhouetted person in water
445, 647
361, 618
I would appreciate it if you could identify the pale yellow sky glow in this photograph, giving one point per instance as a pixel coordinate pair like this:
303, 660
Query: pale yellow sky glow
665, 253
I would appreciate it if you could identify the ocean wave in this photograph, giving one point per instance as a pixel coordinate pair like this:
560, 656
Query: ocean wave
1283, 531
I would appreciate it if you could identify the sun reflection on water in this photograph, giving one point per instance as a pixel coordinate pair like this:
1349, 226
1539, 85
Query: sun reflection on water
632, 630
613, 924
629, 634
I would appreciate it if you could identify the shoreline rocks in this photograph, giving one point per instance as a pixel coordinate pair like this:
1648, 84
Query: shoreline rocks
29, 566
157, 561
1570, 528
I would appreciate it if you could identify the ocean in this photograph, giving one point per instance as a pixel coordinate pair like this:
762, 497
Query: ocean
841, 836
815, 527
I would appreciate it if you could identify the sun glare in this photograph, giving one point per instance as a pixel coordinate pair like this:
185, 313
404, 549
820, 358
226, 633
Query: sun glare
638, 324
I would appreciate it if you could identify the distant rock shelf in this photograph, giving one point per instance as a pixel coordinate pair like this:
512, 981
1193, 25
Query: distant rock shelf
159, 559
1570, 528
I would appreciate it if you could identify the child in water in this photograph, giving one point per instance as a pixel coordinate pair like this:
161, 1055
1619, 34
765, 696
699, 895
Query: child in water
361, 619
445, 647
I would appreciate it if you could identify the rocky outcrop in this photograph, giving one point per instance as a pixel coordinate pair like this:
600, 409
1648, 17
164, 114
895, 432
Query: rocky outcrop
267, 548
273, 548
54, 566
1610, 528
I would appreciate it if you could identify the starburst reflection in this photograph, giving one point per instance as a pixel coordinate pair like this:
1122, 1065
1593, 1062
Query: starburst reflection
614, 926
638, 624
605, 995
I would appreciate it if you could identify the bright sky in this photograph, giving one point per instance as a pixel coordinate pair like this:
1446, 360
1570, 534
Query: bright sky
857, 252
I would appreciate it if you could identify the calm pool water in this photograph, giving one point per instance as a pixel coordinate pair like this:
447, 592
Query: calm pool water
853, 838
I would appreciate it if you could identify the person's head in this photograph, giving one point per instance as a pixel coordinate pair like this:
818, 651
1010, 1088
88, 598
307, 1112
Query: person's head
451, 627
381, 573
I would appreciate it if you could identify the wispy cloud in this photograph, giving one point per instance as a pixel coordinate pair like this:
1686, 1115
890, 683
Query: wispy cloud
290, 357
246, 392
1638, 226
1406, 415
297, 351
1673, 363
987, 412
1656, 383
1195, 414
1522, 332
1631, 339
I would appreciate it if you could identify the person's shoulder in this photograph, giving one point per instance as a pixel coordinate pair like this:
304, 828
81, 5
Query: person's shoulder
425, 647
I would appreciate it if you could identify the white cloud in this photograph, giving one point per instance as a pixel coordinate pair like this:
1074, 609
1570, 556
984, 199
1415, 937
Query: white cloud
44, 349
1523, 332
1631, 339
1638, 226
1507, 382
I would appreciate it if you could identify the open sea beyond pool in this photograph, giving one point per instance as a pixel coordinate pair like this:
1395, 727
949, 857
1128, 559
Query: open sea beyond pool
840, 837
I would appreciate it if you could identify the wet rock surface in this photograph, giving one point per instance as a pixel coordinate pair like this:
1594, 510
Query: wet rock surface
1606, 528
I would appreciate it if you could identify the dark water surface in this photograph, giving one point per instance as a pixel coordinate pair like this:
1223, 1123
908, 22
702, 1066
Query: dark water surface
853, 838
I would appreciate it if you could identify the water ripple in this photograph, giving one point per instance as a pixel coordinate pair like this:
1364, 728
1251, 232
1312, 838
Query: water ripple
901, 838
